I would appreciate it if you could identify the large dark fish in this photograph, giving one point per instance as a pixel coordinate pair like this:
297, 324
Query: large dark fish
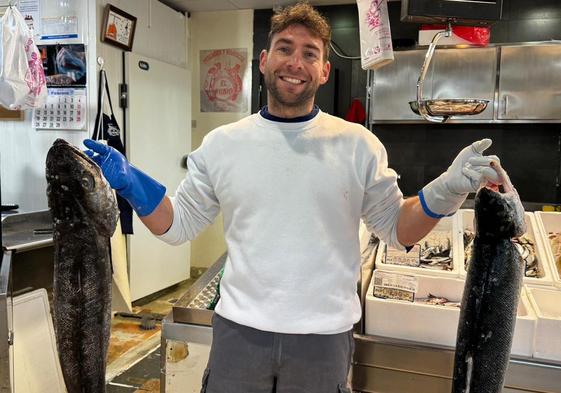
491, 292
84, 214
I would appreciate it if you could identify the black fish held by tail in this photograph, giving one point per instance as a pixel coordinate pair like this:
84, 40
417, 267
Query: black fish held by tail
85, 215
491, 292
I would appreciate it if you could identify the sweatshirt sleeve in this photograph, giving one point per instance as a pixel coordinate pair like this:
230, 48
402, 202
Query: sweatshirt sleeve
382, 197
195, 205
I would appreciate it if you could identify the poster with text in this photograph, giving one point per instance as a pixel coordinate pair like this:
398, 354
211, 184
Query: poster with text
224, 80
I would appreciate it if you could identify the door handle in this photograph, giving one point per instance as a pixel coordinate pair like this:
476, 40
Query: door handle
505, 104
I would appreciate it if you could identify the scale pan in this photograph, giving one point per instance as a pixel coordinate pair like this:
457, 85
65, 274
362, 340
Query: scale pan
451, 107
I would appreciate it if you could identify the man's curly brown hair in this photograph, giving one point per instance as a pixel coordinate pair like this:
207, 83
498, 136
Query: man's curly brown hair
303, 14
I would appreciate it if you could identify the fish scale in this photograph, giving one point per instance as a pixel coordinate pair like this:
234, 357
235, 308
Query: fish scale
84, 214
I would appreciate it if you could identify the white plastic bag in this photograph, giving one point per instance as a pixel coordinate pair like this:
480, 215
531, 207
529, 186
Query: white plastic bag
22, 79
375, 35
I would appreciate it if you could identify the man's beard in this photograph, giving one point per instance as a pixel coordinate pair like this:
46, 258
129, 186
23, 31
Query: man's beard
287, 99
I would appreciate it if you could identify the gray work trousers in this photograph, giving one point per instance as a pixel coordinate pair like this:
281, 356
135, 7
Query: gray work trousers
247, 360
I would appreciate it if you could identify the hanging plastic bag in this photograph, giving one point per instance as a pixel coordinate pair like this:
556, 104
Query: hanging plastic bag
375, 35
22, 79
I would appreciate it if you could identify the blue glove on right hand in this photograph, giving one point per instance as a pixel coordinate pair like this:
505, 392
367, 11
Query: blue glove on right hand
142, 192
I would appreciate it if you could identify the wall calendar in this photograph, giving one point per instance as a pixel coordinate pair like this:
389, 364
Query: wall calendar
65, 109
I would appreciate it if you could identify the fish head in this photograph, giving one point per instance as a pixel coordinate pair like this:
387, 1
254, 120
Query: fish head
75, 183
499, 213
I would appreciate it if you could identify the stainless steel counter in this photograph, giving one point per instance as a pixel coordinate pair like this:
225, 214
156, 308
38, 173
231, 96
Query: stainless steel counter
188, 326
27, 231
386, 365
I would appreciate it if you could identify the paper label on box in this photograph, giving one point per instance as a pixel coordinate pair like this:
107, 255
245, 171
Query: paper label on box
398, 257
388, 285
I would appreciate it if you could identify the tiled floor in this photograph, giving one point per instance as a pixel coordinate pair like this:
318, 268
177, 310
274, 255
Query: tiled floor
143, 376
134, 357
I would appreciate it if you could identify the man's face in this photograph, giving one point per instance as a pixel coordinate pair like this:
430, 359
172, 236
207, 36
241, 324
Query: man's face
294, 68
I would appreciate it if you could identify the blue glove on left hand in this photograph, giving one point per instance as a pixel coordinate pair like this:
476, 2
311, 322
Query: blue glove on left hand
142, 192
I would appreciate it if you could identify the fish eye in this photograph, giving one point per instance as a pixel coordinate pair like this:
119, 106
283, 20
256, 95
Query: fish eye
87, 181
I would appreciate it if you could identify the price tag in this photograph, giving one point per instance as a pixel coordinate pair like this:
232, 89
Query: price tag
397, 257
389, 285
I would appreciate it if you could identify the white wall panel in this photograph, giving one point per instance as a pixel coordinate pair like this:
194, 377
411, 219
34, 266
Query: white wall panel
215, 30
23, 149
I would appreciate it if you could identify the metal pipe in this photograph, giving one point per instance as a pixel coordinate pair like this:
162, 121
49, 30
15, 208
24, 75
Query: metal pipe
428, 57
6, 333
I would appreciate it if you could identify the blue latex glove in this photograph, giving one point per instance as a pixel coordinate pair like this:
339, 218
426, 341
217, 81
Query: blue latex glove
142, 192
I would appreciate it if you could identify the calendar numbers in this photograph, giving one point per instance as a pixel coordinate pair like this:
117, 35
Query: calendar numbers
65, 109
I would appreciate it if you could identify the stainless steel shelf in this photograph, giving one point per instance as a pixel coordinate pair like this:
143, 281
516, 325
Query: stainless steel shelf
26, 231
497, 73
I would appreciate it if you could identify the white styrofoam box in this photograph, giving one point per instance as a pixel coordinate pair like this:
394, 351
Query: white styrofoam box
432, 324
465, 219
547, 337
448, 224
414, 321
36, 364
549, 222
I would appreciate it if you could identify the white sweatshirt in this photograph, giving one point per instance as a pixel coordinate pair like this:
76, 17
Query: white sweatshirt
292, 196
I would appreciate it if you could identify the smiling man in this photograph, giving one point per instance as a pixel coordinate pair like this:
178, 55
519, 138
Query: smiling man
293, 184
295, 65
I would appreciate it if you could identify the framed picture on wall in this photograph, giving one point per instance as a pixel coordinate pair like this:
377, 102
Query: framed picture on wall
118, 27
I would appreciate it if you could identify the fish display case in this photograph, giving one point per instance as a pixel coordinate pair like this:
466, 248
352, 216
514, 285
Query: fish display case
408, 347
547, 301
547, 305
549, 224
435, 254
530, 245
432, 316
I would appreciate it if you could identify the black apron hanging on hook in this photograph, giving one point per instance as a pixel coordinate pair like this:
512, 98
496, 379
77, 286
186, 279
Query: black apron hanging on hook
106, 128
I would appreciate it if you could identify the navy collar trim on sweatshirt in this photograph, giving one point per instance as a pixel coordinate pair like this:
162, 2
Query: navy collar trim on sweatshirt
265, 113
